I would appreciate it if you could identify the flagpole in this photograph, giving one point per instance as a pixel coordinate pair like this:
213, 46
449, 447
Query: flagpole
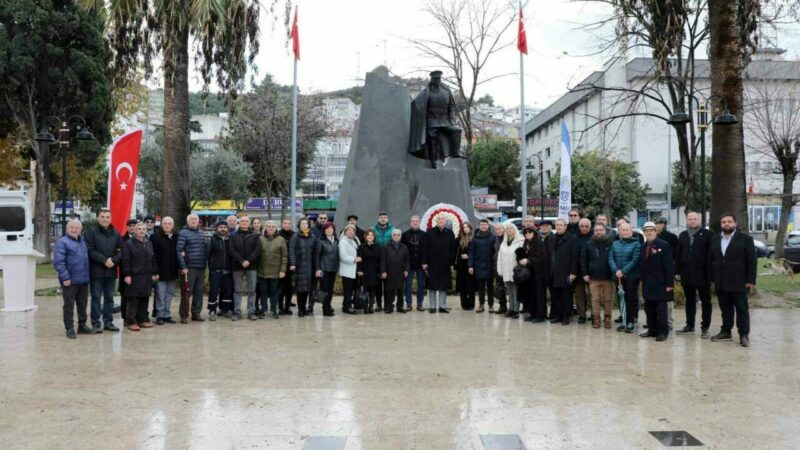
294, 147
523, 157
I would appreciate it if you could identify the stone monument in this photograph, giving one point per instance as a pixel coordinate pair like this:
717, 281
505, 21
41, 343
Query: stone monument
381, 173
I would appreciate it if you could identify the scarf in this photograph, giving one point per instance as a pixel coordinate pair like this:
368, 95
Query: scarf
692, 234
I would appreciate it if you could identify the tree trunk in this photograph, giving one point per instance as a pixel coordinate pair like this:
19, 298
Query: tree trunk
41, 209
728, 183
787, 203
177, 174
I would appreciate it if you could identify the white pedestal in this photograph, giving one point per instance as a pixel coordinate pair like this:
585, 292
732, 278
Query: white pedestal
19, 280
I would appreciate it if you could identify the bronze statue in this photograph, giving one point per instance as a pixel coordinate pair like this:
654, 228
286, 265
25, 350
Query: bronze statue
433, 133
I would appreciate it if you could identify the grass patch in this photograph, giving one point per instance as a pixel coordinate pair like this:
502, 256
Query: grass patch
46, 271
46, 292
776, 284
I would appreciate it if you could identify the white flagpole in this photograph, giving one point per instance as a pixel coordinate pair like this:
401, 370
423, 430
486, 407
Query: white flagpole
523, 157
294, 147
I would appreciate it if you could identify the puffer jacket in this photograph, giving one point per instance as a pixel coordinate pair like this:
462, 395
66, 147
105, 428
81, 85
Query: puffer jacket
71, 260
302, 248
103, 243
348, 252
507, 258
245, 246
481, 255
625, 255
383, 236
594, 259
192, 252
327, 255
274, 256
219, 252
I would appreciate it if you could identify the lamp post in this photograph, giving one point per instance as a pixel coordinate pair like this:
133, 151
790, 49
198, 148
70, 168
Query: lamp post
541, 180
76, 124
680, 118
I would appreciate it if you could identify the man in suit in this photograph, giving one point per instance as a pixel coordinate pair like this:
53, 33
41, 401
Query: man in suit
691, 268
658, 272
732, 260
562, 270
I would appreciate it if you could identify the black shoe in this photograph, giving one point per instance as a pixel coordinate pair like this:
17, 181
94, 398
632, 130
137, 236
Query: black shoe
252, 317
293, 304
647, 334
432, 310
565, 321
328, 313
97, 329
309, 311
263, 315
169, 320
348, 310
71, 333
286, 312
236, 318
537, 321
197, 318
630, 328
83, 329
110, 327
301, 313
420, 308
581, 319
643, 326
744, 341
661, 338
529, 319
159, 321
184, 320
722, 336
444, 310
704, 334
686, 329
621, 328
388, 311
618, 319
502, 310
276, 316
402, 311
479, 310
555, 320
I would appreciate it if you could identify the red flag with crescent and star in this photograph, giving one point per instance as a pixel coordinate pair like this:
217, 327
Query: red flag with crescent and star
295, 36
522, 40
122, 177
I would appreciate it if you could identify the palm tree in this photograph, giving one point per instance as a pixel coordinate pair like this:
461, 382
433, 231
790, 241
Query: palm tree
226, 36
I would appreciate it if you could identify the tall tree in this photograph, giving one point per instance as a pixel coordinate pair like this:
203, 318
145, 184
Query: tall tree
495, 164
260, 130
471, 32
226, 38
53, 62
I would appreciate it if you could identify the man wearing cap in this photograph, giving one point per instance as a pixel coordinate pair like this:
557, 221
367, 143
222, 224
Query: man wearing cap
220, 277
433, 134
130, 227
150, 225
352, 219
672, 240
658, 273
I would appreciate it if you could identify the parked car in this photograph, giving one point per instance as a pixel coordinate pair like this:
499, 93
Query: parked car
762, 250
791, 250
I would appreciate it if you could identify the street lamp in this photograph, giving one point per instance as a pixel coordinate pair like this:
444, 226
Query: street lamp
75, 124
541, 181
681, 118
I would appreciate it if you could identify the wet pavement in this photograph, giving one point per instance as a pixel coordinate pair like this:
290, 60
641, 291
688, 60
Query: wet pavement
417, 380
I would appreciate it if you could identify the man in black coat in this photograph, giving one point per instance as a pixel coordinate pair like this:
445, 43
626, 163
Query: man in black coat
245, 252
658, 273
732, 260
574, 220
165, 249
416, 241
541, 269
105, 252
691, 269
285, 302
563, 270
441, 255
220, 279
580, 288
138, 272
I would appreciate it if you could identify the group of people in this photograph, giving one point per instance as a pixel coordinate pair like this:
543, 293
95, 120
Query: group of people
580, 265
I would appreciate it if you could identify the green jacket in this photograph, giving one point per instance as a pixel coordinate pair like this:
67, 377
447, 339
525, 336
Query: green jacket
274, 257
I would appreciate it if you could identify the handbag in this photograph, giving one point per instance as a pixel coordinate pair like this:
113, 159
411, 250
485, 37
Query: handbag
318, 295
361, 299
521, 274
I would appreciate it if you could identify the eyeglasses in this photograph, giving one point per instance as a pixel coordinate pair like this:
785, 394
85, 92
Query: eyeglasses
573, 215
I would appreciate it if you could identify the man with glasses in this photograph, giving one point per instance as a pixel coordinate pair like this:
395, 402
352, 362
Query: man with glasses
322, 219
574, 218
150, 225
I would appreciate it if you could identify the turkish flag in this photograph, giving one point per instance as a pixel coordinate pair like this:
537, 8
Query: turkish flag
122, 177
522, 40
295, 36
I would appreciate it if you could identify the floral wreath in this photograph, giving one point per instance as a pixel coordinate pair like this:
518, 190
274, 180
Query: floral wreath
453, 214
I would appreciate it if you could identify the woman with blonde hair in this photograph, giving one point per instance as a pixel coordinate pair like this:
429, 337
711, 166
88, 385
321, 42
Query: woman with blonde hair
506, 261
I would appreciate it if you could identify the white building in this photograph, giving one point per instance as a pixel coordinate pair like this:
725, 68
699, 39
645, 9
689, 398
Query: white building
325, 174
646, 141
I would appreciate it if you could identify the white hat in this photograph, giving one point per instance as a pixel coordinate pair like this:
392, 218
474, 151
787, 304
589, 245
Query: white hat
649, 225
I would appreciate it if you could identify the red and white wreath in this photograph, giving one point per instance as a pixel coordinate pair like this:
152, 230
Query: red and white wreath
454, 216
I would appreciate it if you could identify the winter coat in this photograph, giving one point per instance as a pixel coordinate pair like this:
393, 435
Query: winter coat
302, 248
417, 243
348, 252
165, 250
103, 243
192, 251
71, 260
691, 259
139, 263
245, 246
580, 243
530, 250
594, 259
274, 257
624, 256
734, 270
481, 255
507, 258
465, 283
658, 271
670, 239
219, 253
563, 260
544, 262
383, 235
394, 261
441, 253
498, 240
327, 255
370, 264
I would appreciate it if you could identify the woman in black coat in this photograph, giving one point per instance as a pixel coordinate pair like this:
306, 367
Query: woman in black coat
302, 263
368, 267
395, 265
482, 263
465, 280
138, 271
327, 263
528, 291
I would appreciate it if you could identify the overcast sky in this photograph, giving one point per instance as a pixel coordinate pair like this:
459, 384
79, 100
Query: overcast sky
342, 40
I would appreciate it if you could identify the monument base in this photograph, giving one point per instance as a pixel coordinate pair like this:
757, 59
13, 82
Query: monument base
444, 185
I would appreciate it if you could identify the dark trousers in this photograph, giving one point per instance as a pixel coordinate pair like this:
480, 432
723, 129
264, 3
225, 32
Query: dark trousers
270, 289
325, 285
136, 310
392, 296
102, 300
631, 288
75, 294
197, 283
220, 291
485, 287
734, 303
692, 293
526, 294
302, 299
657, 317
541, 299
561, 303
349, 287
379, 294
286, 293
502, 299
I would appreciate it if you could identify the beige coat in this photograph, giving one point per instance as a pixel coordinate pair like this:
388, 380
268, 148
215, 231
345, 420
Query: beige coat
507, 258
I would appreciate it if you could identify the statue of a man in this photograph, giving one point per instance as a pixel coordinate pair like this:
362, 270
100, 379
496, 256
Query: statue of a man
433, 133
